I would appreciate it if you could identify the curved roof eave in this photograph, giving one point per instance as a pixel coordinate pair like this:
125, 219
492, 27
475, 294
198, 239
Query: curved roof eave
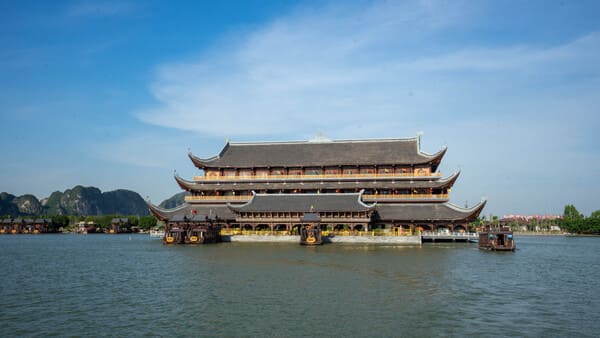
450, 180
184, 184
163, 214
435, 159
474, 211
239, 206
202, 163
360, 201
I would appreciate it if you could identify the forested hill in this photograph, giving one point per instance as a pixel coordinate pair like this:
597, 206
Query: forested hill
79, 201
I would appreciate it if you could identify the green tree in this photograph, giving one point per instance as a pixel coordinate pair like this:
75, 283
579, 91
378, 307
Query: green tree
595, 214
572, 219
147, 222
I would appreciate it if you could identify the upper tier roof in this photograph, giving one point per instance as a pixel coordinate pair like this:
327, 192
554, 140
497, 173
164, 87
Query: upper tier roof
303, 203
330, 153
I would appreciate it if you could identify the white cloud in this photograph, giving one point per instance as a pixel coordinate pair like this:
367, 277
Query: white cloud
339, 68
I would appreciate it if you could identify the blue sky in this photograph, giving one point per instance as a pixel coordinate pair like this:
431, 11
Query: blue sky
114, 93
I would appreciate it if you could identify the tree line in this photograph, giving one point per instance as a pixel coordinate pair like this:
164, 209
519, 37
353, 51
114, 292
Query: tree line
572, 222
575, 222
70, 221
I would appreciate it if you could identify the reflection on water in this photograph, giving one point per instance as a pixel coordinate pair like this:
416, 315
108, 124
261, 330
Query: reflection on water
133, 285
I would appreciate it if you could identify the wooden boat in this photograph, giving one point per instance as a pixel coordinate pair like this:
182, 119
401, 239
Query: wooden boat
311, 235
174, 236
497, 239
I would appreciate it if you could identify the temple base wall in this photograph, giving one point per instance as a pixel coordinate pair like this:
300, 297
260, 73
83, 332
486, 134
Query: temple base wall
391, 240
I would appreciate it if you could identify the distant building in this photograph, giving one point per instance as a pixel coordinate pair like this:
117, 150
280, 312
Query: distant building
119, 225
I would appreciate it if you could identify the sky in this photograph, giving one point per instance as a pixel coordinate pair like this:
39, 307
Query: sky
114, 94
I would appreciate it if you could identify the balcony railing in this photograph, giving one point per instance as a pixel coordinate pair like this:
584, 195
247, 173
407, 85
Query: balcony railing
365, 197
312, 177
217, 198
404, 196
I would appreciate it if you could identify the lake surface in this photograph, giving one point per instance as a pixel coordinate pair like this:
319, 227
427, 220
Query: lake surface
122, 285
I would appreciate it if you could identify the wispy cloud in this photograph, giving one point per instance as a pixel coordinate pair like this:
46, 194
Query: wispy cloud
94, 8
342, 67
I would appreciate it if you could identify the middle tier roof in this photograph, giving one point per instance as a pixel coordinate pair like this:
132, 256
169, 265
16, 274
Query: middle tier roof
359, 183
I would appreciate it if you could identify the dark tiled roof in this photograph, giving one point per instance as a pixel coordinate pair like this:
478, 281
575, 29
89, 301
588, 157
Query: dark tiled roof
303, 203
323, 184
427, 212
307, 153
220, 211
119, 220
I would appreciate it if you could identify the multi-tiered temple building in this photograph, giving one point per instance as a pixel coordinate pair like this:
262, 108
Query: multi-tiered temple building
356, 185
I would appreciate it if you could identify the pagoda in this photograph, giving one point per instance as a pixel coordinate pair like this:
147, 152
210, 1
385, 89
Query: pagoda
357, 185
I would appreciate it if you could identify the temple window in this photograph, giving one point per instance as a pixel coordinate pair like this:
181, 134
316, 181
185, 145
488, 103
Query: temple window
262, 172
422, 171
213, 173
385, 170
367, 170
313, 171
229, 172
332, 171
277, 171
350, 170
246, 172
403, 170
295, 171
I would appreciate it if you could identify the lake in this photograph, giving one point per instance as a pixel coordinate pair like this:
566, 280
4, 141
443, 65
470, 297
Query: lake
133, 285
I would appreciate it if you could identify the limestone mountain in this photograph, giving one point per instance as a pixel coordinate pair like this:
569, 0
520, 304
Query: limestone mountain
28, 204
7, 207
80, 201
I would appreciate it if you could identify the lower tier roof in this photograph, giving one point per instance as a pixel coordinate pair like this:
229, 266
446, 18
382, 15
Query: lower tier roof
210, 211
425, 212
389, 212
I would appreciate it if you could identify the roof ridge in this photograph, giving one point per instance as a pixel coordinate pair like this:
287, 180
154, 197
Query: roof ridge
366, 140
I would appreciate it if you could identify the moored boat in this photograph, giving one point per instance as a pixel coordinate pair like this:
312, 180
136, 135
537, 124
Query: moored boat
310, 232
497, 239
157, 233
